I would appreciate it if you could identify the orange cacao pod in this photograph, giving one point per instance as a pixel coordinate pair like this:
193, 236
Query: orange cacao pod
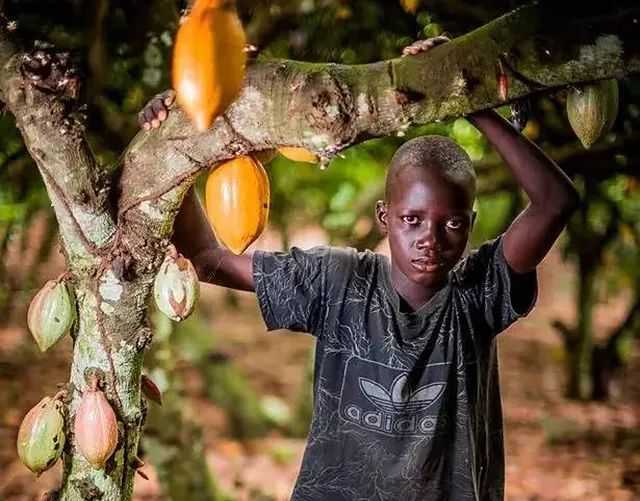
298, 154
237, 202
208, 60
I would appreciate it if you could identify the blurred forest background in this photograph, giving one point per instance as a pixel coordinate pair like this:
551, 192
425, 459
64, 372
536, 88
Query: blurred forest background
236, 400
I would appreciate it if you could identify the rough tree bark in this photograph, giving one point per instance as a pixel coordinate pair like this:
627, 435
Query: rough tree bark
115, 223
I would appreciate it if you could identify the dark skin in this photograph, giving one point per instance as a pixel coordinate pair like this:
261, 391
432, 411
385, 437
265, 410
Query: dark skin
427, 217
433, 203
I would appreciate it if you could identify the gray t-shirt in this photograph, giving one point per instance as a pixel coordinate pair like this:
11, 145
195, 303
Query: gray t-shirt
406, 404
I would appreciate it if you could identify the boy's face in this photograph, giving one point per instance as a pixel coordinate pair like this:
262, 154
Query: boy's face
427, 218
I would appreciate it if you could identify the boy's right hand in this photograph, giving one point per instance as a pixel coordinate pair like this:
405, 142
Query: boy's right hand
156, 110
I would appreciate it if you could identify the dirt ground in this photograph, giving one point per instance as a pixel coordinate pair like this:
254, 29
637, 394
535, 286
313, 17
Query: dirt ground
556, 449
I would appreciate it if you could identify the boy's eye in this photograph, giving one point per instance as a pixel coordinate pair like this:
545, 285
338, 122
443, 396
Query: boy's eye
455, 224
410, 220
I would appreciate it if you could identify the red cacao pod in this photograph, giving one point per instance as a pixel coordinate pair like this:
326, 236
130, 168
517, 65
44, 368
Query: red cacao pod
150, 389
96, 428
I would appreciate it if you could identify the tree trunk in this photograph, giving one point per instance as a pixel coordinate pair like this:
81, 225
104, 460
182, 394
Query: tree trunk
578, 346
96, 348
606, 358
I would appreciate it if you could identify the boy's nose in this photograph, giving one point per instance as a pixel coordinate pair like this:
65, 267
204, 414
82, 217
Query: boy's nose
428, 239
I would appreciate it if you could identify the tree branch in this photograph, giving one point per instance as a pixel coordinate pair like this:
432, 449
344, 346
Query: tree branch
542, 46
51, 125
335, 106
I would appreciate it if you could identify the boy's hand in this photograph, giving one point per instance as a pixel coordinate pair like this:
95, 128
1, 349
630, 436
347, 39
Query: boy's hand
156, 110
424, 45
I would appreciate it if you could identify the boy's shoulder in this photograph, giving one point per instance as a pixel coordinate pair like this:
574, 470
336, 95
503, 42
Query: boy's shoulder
475, 265
338, 259
332, 260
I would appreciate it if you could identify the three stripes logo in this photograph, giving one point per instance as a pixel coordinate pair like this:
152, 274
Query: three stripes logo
389, 404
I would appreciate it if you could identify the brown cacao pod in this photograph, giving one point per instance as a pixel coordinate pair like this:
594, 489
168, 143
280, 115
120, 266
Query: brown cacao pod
592, 110
95, 428
41, 436
237, 202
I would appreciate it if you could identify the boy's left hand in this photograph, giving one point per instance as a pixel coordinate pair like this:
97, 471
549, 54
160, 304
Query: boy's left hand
424, 45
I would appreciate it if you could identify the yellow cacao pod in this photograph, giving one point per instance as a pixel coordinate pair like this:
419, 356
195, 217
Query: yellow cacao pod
298, 154
237, 202
208, 60
41, 435
592, 110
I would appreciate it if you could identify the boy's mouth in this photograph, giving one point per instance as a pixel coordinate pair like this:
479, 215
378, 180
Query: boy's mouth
426, 264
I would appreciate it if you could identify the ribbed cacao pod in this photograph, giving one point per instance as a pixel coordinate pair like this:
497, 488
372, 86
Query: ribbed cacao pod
95, 427
208, 60
298, 154
592, 110
50, 313
176, 287
237, 200
41, 435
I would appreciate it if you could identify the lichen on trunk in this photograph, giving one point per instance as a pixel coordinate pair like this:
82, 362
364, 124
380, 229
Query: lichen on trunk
120, 364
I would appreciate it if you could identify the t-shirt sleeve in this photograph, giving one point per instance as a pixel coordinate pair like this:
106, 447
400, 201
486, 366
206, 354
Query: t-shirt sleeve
501, 295
290, 288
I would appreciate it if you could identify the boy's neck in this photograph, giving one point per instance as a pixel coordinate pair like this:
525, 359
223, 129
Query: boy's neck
412, 296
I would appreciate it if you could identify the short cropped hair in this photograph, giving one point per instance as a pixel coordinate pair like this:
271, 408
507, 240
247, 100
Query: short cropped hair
434, 152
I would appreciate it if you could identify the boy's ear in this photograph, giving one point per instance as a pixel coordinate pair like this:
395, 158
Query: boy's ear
381, 216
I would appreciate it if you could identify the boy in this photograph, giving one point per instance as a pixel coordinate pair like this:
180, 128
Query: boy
406, 394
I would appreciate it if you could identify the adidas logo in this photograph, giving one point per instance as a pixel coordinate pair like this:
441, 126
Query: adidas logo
401, 399
397, 409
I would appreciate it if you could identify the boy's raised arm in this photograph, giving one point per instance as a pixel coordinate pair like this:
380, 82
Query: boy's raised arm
551, 194
214, 264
